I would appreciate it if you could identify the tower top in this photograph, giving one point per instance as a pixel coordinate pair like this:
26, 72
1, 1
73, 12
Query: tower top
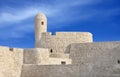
41, 16
40, 26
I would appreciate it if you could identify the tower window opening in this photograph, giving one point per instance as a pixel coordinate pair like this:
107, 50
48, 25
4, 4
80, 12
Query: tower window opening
51, 51
42, 23
63, 62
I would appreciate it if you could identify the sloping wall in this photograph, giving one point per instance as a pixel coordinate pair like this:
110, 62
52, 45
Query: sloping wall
100, 59
97, 53
11, 60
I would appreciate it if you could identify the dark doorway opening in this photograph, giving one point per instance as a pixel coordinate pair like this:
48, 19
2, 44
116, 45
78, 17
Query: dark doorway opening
51, 51
118, 61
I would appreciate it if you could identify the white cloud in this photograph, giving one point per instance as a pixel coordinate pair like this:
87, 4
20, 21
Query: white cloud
60, 12
17, 15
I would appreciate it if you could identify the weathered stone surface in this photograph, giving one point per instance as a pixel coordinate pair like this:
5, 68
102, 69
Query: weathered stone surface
11, 60
97, 53
50, 71
69, 71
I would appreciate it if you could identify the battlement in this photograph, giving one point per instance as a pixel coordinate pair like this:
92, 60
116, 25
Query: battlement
72, 33
67, 34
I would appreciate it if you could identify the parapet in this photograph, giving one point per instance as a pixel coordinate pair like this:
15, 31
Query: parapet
72, 33
63, 35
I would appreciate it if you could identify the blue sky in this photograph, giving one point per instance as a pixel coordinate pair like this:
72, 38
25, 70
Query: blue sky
100, 17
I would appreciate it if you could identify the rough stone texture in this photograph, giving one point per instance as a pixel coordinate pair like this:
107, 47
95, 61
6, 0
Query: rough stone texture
60, 42
69, 71
97, 53
11, 61
58, 61
89, 60
100, 59
50, 71
59, 55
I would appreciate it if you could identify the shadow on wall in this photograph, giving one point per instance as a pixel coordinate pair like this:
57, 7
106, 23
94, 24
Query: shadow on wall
67, 50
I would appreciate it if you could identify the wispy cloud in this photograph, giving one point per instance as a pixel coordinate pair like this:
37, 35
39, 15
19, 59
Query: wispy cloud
20, 14
59, 11
17, 15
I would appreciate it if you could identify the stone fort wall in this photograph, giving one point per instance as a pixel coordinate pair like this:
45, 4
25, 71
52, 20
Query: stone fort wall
101, 53
89, 60
11, 61
59, 43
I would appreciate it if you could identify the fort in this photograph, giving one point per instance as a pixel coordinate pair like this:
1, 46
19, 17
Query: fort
65, 54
